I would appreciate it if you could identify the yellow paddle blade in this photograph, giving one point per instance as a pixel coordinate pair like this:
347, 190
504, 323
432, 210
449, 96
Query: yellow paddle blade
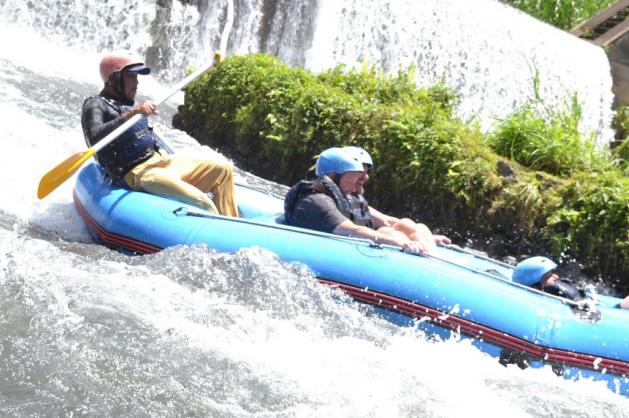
63, 171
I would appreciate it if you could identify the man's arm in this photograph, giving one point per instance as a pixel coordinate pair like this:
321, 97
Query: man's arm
380, 219
94, 120
349, 228
414, 231
97, 121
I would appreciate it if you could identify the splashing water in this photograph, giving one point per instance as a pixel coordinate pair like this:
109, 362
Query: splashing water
192, 331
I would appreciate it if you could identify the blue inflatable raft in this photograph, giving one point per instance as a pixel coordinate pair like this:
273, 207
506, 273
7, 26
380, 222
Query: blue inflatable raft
454, 291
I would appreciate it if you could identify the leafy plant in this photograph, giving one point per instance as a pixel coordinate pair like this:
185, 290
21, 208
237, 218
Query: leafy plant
547, 139
592, 218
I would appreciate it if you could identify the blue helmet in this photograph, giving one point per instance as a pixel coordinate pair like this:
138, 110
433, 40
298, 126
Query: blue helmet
337, 160
532, 270
362, 155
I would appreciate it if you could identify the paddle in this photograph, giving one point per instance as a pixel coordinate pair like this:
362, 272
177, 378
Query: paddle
55, 177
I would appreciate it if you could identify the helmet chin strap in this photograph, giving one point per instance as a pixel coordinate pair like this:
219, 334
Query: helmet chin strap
336, 178
116, 81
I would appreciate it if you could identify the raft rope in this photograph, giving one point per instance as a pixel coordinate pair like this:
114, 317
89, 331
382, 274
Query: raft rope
477, 255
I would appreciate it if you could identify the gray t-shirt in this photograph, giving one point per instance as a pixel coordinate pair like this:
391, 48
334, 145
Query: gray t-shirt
317, 211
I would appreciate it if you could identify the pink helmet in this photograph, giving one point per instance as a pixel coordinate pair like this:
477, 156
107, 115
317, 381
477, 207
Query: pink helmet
112, 63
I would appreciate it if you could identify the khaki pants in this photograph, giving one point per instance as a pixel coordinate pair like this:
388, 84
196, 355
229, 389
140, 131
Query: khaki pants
187, 180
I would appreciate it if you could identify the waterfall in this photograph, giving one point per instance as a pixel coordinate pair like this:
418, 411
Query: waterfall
484, 50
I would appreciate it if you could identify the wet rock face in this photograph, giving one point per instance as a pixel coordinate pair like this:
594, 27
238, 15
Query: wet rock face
619, 58
187, 32
506, 170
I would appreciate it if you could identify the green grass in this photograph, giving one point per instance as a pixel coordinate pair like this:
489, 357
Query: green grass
549, 140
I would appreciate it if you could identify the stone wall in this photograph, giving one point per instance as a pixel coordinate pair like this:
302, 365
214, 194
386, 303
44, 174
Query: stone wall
619, 60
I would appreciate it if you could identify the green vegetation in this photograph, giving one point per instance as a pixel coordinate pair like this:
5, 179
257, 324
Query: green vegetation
564, 14
592, 220
535, 182
548, 139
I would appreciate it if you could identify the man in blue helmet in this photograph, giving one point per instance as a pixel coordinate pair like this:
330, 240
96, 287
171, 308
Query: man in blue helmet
540, 273
334, 203
387, 223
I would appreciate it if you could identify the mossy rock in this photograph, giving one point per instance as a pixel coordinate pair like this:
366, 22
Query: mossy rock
274, 120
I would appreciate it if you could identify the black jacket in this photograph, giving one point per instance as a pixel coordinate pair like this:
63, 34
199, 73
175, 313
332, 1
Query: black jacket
101, 115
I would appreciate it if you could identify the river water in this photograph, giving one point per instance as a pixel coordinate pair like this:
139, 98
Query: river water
85, 331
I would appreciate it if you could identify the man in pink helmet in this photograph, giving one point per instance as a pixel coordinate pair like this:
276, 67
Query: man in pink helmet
136, 156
